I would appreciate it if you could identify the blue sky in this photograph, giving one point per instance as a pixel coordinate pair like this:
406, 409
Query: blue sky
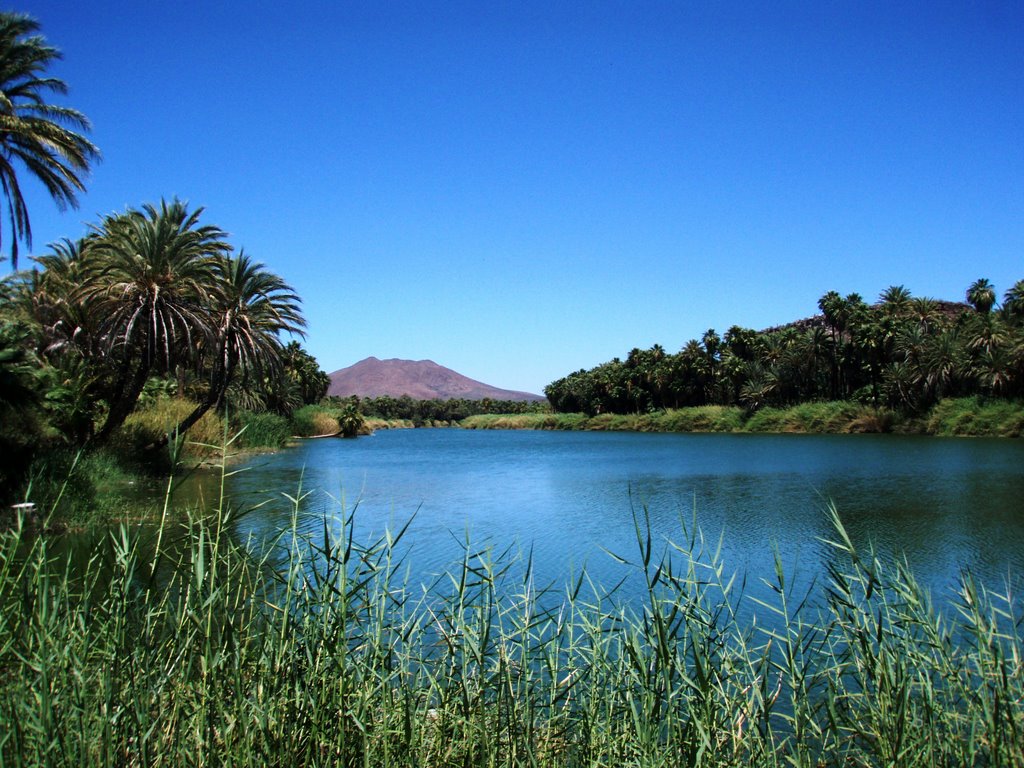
520, 190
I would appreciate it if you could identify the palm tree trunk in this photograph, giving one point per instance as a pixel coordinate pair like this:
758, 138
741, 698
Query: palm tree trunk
184, 425
123, 405
218, 388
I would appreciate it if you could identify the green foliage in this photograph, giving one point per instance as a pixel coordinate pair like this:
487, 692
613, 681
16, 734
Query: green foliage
303, 372
159, 417
351, 421
568, 421
42, 139
423, 412
79, 488
976, 416
22, 427
182, 651
311, 420
322, 420
900, 356
706, 418
262, 430
829, 418
152, 303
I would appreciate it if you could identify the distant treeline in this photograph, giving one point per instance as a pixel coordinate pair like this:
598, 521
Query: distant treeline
904, 352
429, 411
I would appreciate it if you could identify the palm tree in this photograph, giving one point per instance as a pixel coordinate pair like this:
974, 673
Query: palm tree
42, 138
303, 370
981, 295
251, 307
926, 312
154, 275
1013, 301
895, 300
52, 296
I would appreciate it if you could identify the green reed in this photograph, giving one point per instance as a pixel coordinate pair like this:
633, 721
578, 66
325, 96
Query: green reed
191, 648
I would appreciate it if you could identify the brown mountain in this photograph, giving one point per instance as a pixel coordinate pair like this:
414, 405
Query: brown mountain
420, 379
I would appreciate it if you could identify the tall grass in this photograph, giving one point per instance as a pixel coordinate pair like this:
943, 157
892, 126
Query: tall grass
976, 416
835, 417
77, 488
195, 649
260, 430
313, 420
523, 421
161, 415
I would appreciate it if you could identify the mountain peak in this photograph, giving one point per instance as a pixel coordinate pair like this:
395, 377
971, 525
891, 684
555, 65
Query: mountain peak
419, 379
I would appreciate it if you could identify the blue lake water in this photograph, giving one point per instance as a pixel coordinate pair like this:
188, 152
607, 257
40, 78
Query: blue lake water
569, 498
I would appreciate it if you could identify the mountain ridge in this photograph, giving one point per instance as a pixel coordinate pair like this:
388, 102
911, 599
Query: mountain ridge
419, 379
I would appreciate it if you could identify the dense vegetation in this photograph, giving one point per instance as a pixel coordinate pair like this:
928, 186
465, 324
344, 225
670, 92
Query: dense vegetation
973, 416
184, 648
422, 412
130, 336
902, 353
150, 305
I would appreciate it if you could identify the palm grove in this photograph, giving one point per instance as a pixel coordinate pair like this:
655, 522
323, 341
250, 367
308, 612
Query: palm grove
150, 300
903, 352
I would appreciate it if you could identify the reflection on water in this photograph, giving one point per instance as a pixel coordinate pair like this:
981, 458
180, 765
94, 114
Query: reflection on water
943, 504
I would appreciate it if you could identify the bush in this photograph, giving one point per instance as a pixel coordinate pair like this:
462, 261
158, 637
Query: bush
313, 420
160, 415
261, 430
976, 416
703, 418
78, 488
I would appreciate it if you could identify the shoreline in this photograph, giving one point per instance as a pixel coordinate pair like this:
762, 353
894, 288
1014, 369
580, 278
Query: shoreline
963, 417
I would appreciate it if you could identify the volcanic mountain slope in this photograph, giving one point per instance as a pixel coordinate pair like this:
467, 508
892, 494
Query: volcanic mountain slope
419, 379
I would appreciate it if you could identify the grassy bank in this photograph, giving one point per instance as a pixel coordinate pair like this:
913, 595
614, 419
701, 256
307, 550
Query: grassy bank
183, 650
79, 488
965, 416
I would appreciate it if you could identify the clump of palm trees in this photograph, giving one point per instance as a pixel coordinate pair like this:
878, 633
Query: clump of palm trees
149, 298
155, 293
903, 352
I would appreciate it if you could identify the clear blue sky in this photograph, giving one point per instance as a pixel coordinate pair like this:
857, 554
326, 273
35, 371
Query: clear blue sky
519, 190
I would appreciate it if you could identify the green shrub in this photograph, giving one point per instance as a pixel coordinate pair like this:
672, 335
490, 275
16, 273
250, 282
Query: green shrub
159, 415
976, 416
261, 430
311, 420
78, 488
704, 418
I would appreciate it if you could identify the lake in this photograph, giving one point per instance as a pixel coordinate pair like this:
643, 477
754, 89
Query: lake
569, 498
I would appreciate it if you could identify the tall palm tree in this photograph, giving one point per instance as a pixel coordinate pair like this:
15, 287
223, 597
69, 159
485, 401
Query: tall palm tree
926, 312
895, 300
981, 295
42, 138
1013, 301
304, 371
250, 309
53, 297
154, 276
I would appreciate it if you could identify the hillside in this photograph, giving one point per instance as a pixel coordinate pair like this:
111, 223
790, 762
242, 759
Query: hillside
419, 379
949, 310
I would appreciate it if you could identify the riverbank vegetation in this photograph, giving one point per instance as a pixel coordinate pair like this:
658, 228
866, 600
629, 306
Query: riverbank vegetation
146, 329
431, 412
903, 355
970, 416
184, 647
